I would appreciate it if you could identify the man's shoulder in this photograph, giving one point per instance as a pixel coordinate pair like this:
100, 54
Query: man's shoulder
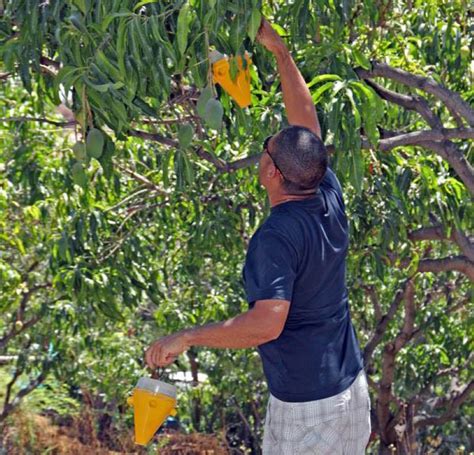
330, 181
278, 223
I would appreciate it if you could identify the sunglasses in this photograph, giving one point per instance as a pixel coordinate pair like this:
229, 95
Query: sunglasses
265, 150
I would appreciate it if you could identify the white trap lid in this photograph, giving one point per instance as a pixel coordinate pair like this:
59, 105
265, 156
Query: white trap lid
156, 386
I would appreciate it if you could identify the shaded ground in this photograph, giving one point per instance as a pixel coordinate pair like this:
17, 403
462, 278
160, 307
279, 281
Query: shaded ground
36, 434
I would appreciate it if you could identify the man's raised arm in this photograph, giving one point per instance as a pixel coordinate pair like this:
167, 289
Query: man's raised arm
296, 96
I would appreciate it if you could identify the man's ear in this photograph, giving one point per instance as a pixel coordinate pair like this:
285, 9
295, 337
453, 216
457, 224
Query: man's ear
271, 171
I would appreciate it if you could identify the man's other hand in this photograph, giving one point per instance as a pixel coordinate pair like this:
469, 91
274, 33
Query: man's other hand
165, 350
269, 38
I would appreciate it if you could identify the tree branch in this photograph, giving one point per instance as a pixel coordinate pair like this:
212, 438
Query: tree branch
372, 293
452, 404
438, 233
424, 138
8, 391
412, 103
31, 322
383, 323
221, 165
451, 99
419, 137
13, 332
452, 263
154, 137
10, 406
388, 361
426, 389
143, 180
168, 121
424, 392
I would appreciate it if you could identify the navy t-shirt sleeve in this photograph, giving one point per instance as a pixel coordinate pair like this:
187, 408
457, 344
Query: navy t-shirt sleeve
270, 267
331, 181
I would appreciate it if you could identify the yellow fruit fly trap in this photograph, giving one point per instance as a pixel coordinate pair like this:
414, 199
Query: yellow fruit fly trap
153, 401
238, 89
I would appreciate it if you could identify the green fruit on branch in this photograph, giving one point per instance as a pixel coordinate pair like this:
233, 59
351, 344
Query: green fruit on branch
78, 175
185, 135
214, 114
95, 143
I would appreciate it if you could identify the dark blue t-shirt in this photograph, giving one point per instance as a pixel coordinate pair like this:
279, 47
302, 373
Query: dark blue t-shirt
299, 254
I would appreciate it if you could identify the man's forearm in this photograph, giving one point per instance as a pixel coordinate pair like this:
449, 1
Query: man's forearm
239, 332
296, 95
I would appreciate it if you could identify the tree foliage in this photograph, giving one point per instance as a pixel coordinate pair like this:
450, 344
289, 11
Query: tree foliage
126, 211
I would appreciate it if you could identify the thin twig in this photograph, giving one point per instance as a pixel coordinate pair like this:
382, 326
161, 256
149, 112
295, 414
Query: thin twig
35, 119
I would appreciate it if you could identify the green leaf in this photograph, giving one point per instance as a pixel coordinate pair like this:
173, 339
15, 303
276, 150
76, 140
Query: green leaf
66, 77
102, 88
106, 158
122, 46
185, 135
183, 28
77, 21
21, 247
317, 94
361, 59
165, 167
143, 3
413, 266
355, 110
108, 19
95, 143
146, 108
254, 24
109, 68
369, 105
188, 170
179, 168
81, 4
357, 169
324, 78
63, 247
109, 309
235, 34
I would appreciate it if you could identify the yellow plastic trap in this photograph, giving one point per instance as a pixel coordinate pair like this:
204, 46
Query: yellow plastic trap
239, 89
153, 401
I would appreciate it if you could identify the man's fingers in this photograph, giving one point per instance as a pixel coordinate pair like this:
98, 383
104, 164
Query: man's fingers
152, 355
156, 355
148, 359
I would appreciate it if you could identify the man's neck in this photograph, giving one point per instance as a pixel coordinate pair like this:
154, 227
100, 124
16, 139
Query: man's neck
280, 198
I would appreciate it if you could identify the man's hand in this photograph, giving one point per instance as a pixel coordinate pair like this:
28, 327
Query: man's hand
269, 38
165, 350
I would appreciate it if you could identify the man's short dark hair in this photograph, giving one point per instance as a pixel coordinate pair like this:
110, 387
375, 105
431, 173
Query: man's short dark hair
301, 156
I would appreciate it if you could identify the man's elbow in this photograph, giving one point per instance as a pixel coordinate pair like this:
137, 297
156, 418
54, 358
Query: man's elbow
271, 333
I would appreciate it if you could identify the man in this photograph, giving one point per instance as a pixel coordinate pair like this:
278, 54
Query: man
294, 278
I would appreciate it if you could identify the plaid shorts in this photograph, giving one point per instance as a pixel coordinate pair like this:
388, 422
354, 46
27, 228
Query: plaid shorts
336, 425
